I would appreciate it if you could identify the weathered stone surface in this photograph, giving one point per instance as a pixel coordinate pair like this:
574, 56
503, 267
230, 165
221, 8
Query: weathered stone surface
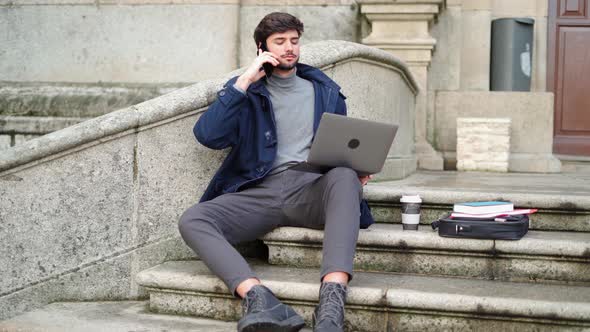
122, 43
483, 144
227, 307
19, 139
378, 301
445, 68
530, 112
558, 257
562, 199
164, 193
507, 8
29, 125
111, 316
5, 141
74, 100
475, 49
539, 74
65, 213
106, 279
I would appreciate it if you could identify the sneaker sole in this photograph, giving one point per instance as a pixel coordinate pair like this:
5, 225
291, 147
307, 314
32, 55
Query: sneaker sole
292, 324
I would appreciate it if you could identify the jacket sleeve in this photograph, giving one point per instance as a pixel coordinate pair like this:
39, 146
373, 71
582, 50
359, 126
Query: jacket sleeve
218, 127
341, 104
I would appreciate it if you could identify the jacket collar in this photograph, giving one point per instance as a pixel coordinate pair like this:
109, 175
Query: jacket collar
304, 71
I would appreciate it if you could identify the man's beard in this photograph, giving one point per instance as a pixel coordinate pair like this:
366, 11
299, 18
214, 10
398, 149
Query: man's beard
289, 66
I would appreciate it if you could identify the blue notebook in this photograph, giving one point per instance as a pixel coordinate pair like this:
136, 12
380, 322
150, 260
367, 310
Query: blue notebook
483, 207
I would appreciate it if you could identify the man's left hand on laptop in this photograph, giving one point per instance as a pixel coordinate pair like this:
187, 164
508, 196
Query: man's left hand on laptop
365, 179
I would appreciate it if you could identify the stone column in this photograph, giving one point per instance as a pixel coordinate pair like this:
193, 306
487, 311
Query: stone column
401, 28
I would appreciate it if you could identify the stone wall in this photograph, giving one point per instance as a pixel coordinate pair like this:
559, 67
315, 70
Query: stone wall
148, 41
87, 207
458, 82
461, 60
15, 130
531, 132
31, 109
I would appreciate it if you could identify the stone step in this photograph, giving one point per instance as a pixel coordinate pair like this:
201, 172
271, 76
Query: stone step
381, 301
15, 130
124, 316
563, 200
540, 256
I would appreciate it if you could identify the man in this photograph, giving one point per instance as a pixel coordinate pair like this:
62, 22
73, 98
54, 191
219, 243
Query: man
269, 124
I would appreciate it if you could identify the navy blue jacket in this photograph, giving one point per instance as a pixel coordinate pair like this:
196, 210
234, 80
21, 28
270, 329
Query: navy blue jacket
246, 124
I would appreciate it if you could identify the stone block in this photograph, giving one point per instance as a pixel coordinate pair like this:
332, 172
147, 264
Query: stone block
539, 74
475, 50
470, 5
5, 141
69, 101
67, 213
166, 192
531, 114
445, 68
19, 139
32, 126
528, 8
123, 43
483, 144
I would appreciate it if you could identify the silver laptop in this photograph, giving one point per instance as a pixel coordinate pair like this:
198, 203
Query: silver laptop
355, 143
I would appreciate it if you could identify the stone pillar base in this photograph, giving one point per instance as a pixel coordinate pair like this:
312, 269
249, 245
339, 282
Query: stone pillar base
428, 157
396, 168
520, 162
534, 163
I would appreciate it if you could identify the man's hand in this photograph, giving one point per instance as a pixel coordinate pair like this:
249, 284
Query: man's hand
255, 72
365, 179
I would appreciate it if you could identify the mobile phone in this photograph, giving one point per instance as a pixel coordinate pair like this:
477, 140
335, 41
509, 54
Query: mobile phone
268, 68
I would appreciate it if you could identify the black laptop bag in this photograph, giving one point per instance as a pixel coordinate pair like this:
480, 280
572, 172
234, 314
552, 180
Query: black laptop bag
503, 228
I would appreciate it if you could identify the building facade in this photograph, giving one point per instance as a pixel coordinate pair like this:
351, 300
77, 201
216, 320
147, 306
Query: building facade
446, 43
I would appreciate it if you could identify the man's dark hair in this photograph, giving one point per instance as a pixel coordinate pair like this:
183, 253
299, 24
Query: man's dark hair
276, 22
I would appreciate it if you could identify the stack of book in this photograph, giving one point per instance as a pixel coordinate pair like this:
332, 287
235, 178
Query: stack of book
485, 210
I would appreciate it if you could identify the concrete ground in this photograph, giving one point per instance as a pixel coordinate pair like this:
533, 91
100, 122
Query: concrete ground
125, 316
128, 316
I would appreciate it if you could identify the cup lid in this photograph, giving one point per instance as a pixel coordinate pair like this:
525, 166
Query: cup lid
412, 198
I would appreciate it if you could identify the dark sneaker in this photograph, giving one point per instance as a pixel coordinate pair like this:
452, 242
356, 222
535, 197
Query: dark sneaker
263, 312
329, 314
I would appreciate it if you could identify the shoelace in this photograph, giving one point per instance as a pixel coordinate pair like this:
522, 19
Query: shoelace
331, 305
254, 301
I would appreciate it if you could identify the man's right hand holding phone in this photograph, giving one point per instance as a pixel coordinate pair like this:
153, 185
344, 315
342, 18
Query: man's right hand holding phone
255, 72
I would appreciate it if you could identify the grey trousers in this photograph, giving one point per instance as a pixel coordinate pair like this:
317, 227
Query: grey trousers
291, 198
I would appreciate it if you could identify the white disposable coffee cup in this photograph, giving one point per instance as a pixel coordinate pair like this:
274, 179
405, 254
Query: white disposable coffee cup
411, 211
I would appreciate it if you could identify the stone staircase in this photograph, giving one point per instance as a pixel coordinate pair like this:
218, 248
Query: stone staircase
29, 110
409, 280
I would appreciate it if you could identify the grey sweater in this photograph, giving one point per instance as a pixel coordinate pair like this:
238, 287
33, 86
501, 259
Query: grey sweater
292, 100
